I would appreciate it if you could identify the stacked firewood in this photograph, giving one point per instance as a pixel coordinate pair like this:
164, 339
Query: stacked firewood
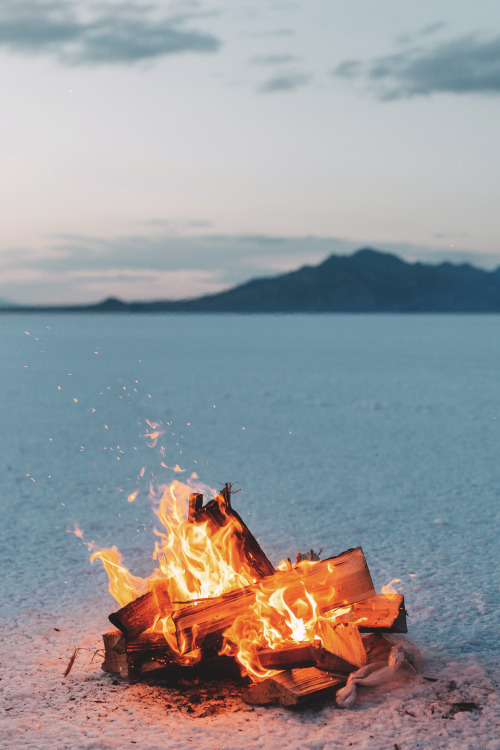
355, 616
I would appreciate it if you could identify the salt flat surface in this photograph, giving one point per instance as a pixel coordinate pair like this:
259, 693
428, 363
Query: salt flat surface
379, 431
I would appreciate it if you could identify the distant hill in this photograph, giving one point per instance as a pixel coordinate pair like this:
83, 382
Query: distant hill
365, 282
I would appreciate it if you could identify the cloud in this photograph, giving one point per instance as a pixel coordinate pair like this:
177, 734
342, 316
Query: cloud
431, 28
80, 269
285, 82
468, 65
427, 30
273, 59
349, 69
123, 34
159, 265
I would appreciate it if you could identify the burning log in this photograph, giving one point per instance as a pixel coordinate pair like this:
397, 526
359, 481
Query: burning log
307, 654
300, 624
147, 652
149, 655
342, 641
202, 623
143, 612
195, 505
336, 582
289, 656
293, 686
312, 556
218, 513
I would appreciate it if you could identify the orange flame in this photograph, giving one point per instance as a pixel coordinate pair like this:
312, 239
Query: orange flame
193, 563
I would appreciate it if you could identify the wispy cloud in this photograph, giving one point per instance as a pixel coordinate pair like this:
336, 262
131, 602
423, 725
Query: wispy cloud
273, 59
468, 65
86, 268
285, 82
78, 34
431, 28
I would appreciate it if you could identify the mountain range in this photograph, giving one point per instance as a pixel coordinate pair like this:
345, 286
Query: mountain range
368, 281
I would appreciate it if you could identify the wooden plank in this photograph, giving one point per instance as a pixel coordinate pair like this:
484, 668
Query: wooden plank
300, 655
382, 613
335, 582
343, 641
293, 686
115, 658
288, 656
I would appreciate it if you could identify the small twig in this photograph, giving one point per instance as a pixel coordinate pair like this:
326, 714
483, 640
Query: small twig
71, 662
97, 652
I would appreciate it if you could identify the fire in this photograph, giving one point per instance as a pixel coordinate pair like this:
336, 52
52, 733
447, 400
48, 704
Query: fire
123, 586
285, 616
194, 563
197, 559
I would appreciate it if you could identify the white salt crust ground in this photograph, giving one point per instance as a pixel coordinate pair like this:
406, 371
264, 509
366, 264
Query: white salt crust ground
381, 431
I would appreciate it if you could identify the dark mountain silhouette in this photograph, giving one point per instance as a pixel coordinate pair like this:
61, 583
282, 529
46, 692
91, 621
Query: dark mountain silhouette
367, 281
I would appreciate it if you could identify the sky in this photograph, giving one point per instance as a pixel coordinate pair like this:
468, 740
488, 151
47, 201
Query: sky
154, 150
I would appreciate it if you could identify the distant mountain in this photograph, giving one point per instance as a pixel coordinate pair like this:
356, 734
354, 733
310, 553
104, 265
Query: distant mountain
367, 281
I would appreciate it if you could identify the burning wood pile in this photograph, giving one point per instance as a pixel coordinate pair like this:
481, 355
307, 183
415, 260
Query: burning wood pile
215, 600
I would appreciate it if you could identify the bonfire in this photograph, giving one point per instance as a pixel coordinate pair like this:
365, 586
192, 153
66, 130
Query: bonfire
214, 600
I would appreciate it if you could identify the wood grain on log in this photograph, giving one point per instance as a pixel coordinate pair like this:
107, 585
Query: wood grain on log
382, 613
344, 642
293, 686
115, 658
336, 582
143, 612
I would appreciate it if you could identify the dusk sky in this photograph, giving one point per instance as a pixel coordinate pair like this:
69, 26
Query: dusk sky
169, 149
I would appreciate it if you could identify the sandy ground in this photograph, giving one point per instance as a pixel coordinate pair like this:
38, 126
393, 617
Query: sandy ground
448, 705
